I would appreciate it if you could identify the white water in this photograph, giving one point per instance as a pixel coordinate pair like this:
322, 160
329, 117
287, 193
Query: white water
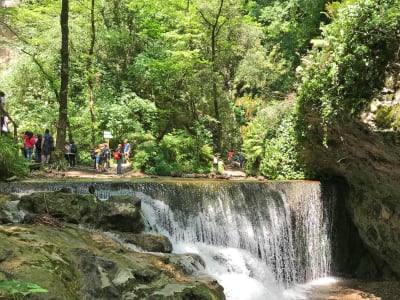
251, 250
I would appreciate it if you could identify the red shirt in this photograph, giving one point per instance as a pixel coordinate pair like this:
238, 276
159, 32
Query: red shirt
29, 142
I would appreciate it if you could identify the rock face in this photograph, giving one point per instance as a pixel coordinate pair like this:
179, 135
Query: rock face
366, 164
71, 263
120, 213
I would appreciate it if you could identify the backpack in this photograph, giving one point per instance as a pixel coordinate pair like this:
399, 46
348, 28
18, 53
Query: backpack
48, 143
51, 142
32, 141
74, 148
38, 144
116, 155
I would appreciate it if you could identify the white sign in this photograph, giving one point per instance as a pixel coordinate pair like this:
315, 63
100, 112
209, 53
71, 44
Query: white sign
107, 135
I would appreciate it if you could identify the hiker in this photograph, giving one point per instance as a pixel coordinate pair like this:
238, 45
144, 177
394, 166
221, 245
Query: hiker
107, 156
73, 150
47, 146
127, 150
118, 154
230, 156
38, 148
241, 159
67, 153
215, 163
29, 144
99, 157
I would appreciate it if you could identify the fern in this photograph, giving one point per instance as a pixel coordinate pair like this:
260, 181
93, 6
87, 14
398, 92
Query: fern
19, 289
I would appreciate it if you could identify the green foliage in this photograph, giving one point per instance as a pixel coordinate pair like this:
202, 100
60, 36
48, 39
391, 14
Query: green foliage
388, 117
179, 152
270, 143
159, 72
19, 289
11, 161
281, 157
60, 165
338, 79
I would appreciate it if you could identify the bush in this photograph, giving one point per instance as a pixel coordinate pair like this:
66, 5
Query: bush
177, 152
270, 143
11, 161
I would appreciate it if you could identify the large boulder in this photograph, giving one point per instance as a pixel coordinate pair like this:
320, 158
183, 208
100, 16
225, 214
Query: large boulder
150, 242
65, 206
8, 209
120, 213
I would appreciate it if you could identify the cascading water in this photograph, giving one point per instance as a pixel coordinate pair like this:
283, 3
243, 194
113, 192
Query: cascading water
258, 239
250, 235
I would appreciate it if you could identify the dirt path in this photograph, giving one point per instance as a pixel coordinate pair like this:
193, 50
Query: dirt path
86, 172
127, 172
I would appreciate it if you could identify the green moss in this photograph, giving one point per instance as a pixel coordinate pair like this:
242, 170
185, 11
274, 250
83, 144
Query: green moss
384, 117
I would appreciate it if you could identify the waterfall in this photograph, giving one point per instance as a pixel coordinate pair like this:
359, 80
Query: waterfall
266, 236
270, 233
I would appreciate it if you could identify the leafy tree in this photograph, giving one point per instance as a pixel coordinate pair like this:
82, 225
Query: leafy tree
342, 72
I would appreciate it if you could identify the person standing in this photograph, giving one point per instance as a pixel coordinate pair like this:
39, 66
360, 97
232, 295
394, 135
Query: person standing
241, 160
215, 164
47, 146
118, 154
230, 156
97, 154
38, 149
4, 125
29, 143
73, 151
107, 156
67, 153
127, 150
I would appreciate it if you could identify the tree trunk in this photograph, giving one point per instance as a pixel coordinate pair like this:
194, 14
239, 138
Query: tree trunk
214, 33
64, 77
91, 76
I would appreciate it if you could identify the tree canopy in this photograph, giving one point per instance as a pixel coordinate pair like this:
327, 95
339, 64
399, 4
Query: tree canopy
186, 80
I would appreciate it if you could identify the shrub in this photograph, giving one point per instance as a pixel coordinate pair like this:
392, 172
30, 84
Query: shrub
11, 161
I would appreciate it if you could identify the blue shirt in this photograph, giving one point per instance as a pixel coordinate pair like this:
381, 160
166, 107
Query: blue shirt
127, 147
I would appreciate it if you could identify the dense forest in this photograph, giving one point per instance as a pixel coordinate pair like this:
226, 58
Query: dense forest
187, 80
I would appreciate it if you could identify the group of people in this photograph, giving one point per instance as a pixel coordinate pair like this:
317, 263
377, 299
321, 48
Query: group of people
237, 161
37, 146
233, 160
102, 156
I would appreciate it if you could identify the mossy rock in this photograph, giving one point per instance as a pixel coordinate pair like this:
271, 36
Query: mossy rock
150, 242
75, 264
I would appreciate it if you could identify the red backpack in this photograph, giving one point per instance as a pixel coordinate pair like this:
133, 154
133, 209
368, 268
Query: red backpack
116, 155
32, 141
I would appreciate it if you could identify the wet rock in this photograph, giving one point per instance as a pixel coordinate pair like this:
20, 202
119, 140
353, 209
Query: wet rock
121, 213
76, 264
150, 242
188, 263
68, 207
